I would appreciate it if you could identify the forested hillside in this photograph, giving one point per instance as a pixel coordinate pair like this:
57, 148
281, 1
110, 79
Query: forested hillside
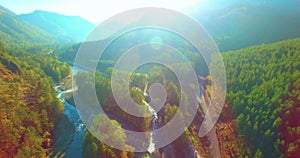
15, 32
237, 24
29, 107
263, 91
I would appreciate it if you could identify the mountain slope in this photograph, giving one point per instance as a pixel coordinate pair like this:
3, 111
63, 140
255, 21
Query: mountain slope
73, 27
263, 89
29, 107
241, 25
15, 32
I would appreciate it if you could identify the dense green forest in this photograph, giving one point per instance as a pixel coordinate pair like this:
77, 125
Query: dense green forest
50, 65
263, 91
29, 107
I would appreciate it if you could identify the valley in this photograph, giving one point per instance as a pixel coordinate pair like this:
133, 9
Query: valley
260, 48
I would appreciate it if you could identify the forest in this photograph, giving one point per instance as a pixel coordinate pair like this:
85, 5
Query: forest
263, 92
260, 117
29, 107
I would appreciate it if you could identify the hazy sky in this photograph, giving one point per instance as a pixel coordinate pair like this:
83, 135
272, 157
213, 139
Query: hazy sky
93, 10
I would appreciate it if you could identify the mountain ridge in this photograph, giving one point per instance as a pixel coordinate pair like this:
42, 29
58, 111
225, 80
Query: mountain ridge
242, 25
73, 27
16, 32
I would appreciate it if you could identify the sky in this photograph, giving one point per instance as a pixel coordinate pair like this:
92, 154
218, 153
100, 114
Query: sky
93, 10
99, 10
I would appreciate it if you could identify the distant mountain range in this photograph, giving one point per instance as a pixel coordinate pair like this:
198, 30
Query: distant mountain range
14, 31
73, 27
234, 25
41, 27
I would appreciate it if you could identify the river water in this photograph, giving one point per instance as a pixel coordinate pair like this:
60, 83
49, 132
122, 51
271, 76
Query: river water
151, 147
74, 149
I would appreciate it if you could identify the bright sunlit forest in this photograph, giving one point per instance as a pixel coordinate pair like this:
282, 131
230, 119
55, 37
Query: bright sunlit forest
43, 87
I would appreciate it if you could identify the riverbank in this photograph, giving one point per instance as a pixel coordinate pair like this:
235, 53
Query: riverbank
63, 136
